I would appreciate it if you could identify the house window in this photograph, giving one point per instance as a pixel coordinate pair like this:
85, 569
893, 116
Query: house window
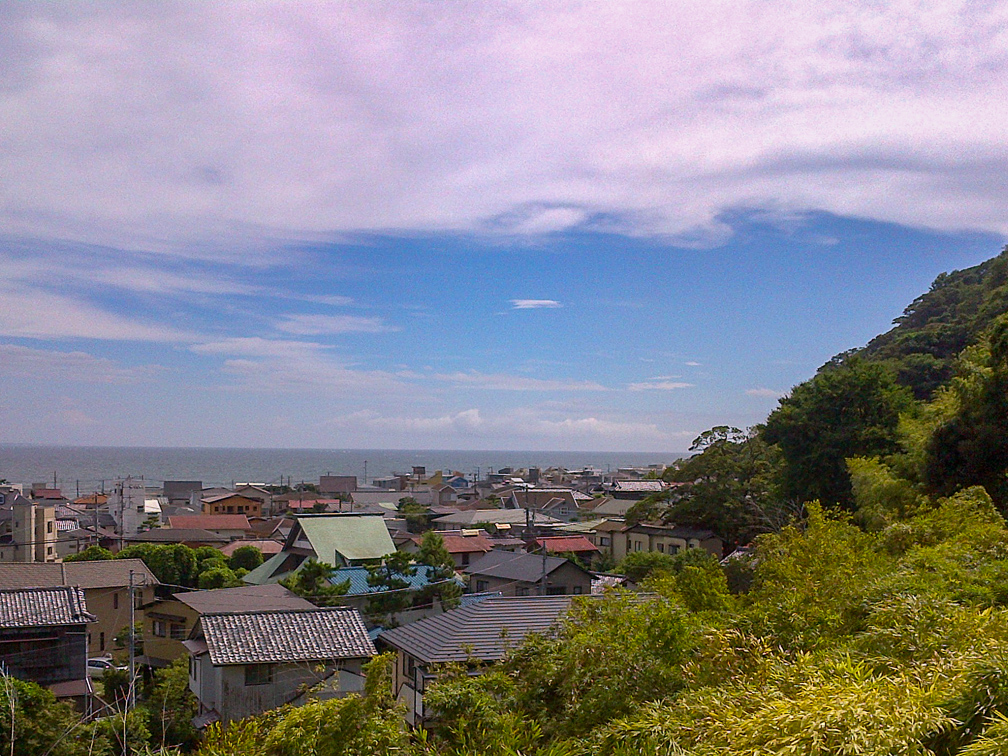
159, 629
178, 632
673, 549
465, 559
481, 586
101, 641
603, 541
258, 674
578, 590
115, 600
522, 591
661, 547
49, 527
556, 590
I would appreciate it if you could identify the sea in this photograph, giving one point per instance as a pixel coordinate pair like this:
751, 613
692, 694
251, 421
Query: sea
86, 469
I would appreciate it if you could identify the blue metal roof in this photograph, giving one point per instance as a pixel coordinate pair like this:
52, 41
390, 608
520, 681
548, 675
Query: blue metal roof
358, 577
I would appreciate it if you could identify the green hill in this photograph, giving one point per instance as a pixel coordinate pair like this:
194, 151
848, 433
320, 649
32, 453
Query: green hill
957, 310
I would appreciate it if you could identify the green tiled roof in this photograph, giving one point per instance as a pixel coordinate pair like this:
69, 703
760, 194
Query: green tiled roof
337, 538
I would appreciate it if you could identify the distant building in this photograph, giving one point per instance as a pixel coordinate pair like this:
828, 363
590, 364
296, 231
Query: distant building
232, 503
668, 539
337, 484
231, 526
28, 530
127, 503
181, 491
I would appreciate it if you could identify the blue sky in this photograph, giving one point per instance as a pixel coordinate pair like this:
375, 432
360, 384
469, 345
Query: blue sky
568, 227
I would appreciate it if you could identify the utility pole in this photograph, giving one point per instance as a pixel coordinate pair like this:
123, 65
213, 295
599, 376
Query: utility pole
131, 695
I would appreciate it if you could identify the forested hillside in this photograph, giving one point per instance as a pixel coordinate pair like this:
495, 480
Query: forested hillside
922, 347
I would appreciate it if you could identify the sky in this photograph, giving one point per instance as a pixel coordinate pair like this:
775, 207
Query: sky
557, 226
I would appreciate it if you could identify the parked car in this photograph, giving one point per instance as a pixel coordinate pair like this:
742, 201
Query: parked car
97, 666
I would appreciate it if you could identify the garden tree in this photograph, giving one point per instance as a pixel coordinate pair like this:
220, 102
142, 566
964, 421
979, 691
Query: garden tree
391, 579
245, 558
92, 553
174, 564
847, 411
218, 576
730, 485
312, 581
172, 706
440, 570
969, 448
638, 565
417, 515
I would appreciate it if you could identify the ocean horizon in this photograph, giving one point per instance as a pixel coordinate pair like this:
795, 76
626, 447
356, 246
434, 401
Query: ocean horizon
91, 468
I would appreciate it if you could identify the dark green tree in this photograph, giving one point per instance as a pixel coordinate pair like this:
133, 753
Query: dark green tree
245, 557
313, 582
849, 411
970, 448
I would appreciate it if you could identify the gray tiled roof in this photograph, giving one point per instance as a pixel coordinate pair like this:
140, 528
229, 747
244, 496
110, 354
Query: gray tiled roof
43, 607
245, 598
285, 636
508, 565
100, 573
484, 631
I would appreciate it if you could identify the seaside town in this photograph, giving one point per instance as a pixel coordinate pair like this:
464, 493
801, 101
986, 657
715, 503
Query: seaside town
266, 591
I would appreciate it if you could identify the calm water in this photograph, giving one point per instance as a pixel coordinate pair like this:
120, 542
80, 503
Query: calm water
87, 467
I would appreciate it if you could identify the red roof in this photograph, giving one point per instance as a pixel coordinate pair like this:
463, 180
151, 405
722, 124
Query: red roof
564, 544
210, 521
456, 543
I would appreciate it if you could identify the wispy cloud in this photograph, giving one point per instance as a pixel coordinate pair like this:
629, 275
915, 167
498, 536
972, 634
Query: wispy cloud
325, 325
659, 386
55, 366
693, 364
765, 393
503, 382
534, 304
42, 315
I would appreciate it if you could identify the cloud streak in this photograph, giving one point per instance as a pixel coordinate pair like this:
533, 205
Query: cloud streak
534, 304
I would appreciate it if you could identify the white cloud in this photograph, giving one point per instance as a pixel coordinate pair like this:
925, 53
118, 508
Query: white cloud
534, 304
324, 325
765, 393
186, 127
693, 364
503, 382
659, 386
